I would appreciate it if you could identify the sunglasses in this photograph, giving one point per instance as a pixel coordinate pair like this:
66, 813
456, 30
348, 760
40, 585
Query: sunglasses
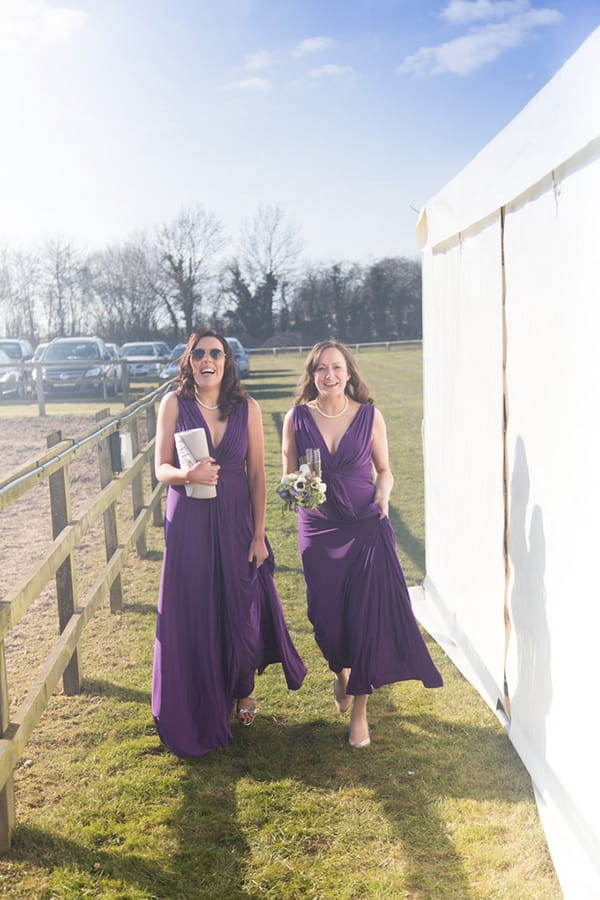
200, 353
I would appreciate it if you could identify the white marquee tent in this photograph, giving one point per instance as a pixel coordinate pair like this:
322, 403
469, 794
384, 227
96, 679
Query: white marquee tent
511, 324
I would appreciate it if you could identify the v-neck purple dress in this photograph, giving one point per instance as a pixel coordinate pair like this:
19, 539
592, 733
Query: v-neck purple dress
219, 617
358, 601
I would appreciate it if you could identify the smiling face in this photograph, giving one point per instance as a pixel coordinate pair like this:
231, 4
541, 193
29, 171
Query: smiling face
331, 373
207, 360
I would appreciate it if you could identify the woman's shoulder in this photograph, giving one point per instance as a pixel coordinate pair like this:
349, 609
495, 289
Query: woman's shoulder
252, 407
296, 412
170, 400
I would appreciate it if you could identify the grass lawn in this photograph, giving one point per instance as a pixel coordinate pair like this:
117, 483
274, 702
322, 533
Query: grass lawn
438, 807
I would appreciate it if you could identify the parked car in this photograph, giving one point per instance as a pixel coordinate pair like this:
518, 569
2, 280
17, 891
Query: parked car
39, 351
242, 360
10, 377
171, 370
113, 352
163, 348
19, 351
79, 364
149, 365
37, 358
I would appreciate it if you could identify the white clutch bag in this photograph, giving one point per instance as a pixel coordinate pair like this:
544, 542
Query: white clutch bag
191, 446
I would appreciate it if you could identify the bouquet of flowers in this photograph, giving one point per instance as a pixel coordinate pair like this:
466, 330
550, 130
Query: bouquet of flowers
303, 488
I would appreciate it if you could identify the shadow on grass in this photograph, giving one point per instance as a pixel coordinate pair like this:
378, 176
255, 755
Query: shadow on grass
265, 374
415, 763
153, 555
278, 423
272, 393
406, 773
156, 878
409, 545
140, 609
100, 687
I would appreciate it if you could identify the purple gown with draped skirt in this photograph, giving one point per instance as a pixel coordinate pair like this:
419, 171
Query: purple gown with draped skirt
219, 616
358, 601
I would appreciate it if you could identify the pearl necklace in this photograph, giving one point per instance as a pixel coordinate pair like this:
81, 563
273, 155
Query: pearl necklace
205, 405
335, 415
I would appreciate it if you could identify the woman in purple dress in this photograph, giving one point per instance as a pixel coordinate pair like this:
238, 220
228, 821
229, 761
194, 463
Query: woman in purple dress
357, 597
219, 615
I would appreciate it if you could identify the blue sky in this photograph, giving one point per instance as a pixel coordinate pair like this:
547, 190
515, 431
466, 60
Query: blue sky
350, 114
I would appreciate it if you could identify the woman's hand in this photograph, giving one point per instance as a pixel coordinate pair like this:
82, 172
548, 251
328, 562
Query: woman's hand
384, 480
258, 551
205, 471
383, 503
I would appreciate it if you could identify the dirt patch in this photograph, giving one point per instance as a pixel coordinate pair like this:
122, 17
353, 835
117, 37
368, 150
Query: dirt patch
25, 526
26, 530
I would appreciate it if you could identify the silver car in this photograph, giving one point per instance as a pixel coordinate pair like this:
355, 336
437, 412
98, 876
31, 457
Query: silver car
10, 377
149, 356
19, 351
171, 370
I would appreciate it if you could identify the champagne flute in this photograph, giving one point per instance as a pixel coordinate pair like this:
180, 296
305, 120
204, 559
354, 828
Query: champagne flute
313, 460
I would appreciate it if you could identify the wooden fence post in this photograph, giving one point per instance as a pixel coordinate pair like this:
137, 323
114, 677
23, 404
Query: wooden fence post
39, 389
111, 531
157, 518
137, 487
125, 382
66, 590
7, 794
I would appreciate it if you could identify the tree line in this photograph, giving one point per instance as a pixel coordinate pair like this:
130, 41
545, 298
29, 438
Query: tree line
167, 283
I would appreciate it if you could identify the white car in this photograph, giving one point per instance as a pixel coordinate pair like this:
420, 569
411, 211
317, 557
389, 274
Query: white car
149, 356
10, 377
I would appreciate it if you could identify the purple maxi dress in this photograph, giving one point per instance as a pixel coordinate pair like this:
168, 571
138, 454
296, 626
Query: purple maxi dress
219, 617
358, 601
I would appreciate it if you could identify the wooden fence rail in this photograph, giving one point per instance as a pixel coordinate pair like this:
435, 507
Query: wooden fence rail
59, 561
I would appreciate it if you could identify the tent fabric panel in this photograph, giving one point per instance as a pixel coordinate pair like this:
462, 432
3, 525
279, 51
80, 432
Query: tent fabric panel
464, 517
553, 374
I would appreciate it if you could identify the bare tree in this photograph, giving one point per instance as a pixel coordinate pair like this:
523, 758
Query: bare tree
187, 249
20, 273
6, 291
64, 300
122, 281
270, 245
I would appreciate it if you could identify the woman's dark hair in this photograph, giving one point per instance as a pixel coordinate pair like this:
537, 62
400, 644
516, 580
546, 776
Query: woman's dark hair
355, 388
231, 392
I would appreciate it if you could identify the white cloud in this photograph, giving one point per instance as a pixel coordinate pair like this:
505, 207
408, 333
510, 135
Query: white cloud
249, 84
36, 21
257, 61
460, 11
481, 44
330, 71
313, 45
